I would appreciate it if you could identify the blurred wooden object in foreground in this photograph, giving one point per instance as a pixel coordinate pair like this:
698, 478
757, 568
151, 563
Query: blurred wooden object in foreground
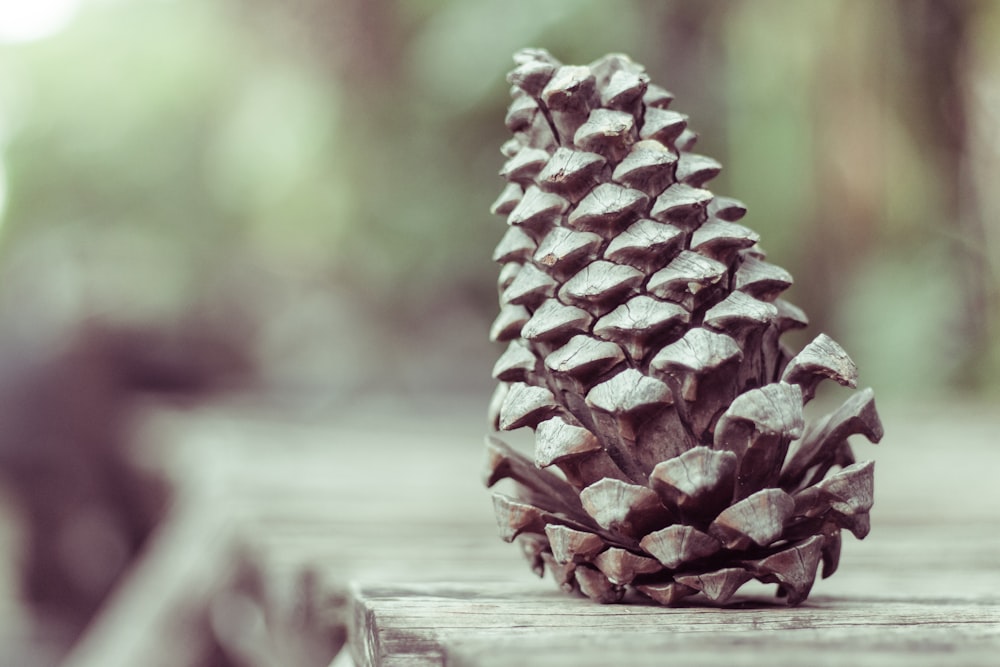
66, 400
290, 536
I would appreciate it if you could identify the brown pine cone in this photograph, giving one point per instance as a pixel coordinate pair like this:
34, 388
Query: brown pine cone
643, 327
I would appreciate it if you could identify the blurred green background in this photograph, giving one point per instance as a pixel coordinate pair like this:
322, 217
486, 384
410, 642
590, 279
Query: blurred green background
311, 178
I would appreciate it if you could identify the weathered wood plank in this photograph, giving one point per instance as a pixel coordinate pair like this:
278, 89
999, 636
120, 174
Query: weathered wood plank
432, 624
874, 646
316, 505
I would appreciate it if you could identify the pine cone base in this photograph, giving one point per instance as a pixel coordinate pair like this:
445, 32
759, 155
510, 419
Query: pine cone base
643, 329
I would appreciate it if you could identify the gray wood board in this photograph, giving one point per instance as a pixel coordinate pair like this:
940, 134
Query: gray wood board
858, 646
504, 624
315, 505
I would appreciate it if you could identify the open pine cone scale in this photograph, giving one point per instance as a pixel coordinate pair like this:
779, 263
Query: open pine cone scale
643, 328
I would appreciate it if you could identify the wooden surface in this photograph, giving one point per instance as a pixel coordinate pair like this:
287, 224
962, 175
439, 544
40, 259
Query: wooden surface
394, 510
308, 505
890, 605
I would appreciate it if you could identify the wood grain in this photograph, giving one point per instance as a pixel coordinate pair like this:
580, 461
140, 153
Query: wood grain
919, 646
892, 602
398, 507
432, 626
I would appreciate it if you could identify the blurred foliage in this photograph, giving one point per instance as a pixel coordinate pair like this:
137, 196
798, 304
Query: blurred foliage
317, 173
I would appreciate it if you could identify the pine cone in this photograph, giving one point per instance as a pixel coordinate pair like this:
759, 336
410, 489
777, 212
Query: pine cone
643, 329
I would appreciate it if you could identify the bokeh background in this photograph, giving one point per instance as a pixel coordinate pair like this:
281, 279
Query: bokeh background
289, 197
